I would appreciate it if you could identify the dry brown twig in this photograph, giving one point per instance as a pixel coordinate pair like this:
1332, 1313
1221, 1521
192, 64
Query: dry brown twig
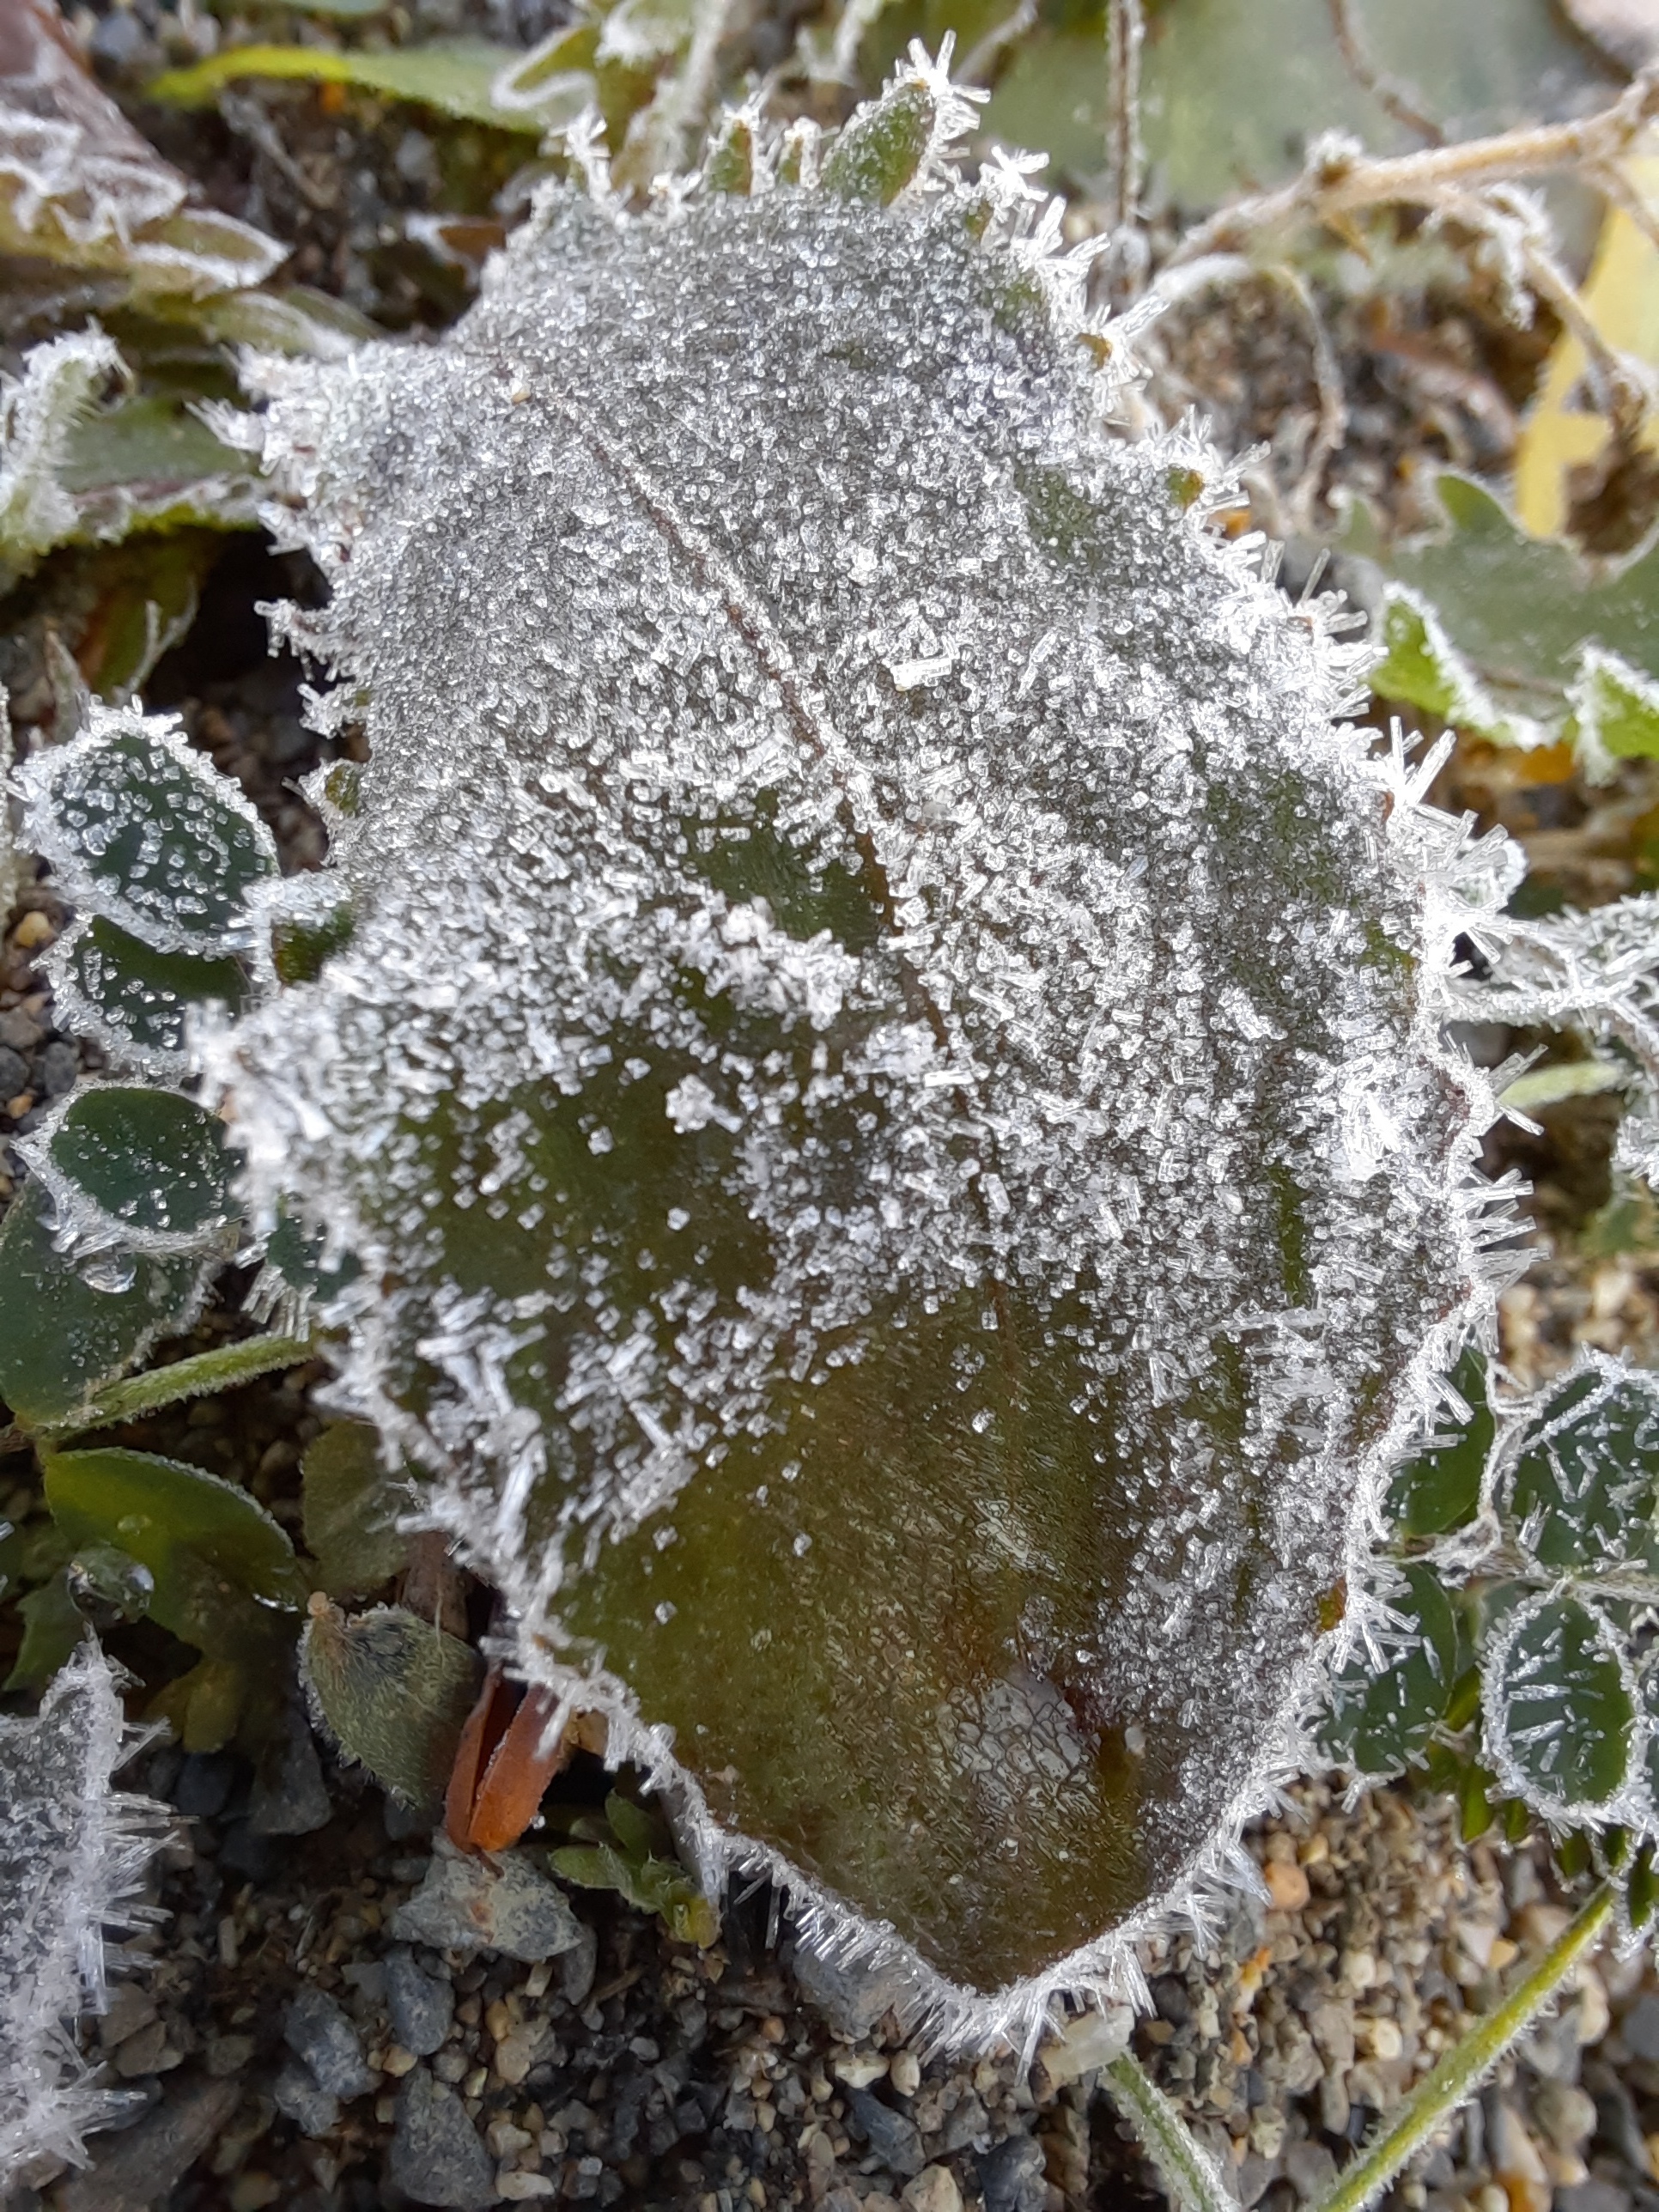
1395, 99
1125, 31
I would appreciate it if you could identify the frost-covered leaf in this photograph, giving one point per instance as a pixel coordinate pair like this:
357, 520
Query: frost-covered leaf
1382, 1716
73, 1848
1422, 668
1562, 1079
1615, 714
79, 186
351, 1504
454, 76
39, 412
134, 1169
135, 1001
1582, 1491
68, 1328
1438, 1488
142, 830
1560, 1709
1515, 611
393, 1691
913, 1217
53, 1625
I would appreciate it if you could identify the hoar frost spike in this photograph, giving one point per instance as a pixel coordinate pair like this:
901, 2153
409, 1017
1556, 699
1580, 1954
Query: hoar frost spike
886, 1081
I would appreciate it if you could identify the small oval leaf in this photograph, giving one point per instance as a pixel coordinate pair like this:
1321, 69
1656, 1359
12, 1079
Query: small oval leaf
149, 1162
1561, 1717
142, 829
1439, 1488
393, 1691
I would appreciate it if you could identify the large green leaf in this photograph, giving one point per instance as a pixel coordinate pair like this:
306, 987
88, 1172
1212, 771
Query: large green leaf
63, 1335
1234, 89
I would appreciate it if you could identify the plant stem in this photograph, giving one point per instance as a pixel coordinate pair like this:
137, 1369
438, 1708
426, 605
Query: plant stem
1189, 2173
197, 1376
1464, 2066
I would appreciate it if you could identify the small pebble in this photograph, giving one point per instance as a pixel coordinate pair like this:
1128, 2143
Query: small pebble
318, 2030
436, 2155
312, 2110
933, 2189
1287, 1885
523, 2188
904, 2071
471, 1905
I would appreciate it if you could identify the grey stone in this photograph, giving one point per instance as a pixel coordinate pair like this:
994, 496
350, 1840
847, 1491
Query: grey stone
14, 1072
505, 1904
1255, 2178
290, 1797
419, 2007
1310, 2169
141, 2167
1011, 2177
577, 1968
435, 2157
851, 1994
896, 2140
1640, 2028
20, 1032
1593, 2197
320, 2032
60, 1064
965, 2126
203, 1789
312, 2110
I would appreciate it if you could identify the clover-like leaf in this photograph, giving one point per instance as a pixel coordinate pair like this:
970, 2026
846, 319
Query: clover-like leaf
1561, 1707
1383, 1714
394, 1692
1616, 712
1438, 1488
1582, 1490
69, 1326
135, 1001
136, 1166
142, 830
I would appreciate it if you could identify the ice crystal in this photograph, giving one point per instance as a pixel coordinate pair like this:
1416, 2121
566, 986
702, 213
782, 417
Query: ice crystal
72, 1851
887, 1079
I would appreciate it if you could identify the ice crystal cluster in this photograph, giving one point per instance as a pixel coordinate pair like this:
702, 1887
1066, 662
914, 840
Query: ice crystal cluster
72, 1851
872, 1039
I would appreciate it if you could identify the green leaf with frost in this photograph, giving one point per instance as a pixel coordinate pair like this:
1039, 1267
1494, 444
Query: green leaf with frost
1517, 613
135, 1001
40, 412
1559, 1707
52, 1626
67, 1329
1383, 1710
134, 1165
456, 77
1424, 669
1581, 1492
1438, 1488
1615, 713
626, 1851
142, 830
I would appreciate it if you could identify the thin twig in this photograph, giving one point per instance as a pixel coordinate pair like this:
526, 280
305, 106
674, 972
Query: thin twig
1395, 99
1340, 178
975, 65
1125, 30
1467, 2064
1332, 427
